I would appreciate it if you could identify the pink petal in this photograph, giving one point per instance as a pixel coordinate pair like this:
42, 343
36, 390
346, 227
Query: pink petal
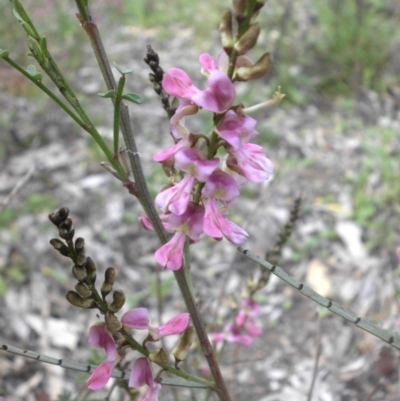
152, 393
222, 186
177, 83
194, 162
141, 373
176, 198
170, 255
99, 337
101, 375
165, 156
219, 96
174, 326
137, 318
208, 64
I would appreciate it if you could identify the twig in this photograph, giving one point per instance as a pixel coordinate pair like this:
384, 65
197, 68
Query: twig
316, 361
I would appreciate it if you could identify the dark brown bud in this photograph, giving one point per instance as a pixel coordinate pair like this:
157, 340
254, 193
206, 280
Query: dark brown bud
66, 224
76, 300
59, 216
159, 356
118, 301
79, 273
66, 234
240, 9
109, 279
184, 344
226, 31
248, 40
79, 244
91, 269
60, 247
80, 260
83, 290
258, 70
112, 322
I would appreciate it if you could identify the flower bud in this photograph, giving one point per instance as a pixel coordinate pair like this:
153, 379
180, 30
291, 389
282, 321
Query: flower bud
109, 279
76, 300
112, 322
80, 260
79, 244
259, 69
66, 234
118, 301
248, 40
83, 290
59, 216
184, 344
159, 356
79, 273
240, 9
60, 247
91, 269
226, 31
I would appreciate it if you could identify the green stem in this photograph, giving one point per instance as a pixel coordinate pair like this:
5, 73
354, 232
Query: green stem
117, 108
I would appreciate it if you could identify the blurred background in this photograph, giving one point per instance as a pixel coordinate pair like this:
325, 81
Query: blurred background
334, 140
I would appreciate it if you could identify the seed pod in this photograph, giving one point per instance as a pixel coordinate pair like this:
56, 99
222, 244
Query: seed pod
83, 290
184, 344
248, 40
76, 300
259, 69
109, 279
159, 356
60, 247
91, 269
112, 322
118, 301
226, 31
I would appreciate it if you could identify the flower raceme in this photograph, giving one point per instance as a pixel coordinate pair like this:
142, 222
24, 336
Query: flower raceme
199, 202
138, 318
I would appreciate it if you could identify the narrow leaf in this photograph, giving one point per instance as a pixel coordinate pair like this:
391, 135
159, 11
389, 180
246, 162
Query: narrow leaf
27, 29
123, 71
133, 97
17, 15
43, 45
177, 381
109, 94
31, 70
4, 53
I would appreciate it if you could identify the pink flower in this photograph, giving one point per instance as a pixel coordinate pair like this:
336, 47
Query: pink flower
244, 329
170, 254
141, 374
250, 161
220, 185
99, 337
176, 198
218, 226
189, 224
101, 375
138, 318
236, 129
218, 98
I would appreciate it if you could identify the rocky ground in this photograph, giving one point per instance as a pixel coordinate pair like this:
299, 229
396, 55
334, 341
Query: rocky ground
48, 163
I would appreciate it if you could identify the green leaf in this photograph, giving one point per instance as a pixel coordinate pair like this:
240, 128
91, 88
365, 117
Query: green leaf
4, 53
38, 76
17, 15
31, 70
28, 29
133, 97
123, 71
109, 94
43, 45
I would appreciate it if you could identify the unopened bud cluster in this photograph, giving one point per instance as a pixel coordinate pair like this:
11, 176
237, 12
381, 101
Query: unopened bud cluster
84, 269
